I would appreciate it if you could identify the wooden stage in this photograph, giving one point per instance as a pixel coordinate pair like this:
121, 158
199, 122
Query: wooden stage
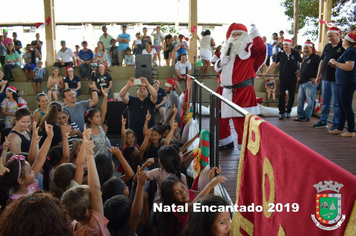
341, 151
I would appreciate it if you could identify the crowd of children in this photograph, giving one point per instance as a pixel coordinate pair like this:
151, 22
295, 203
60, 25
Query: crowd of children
72, 173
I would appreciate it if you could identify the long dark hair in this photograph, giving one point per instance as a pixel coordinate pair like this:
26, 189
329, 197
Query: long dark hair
9, 180
169, 159
54, 157
37, 214
104, 167
167, 193
112, 187
15, 96
200, 223
7, 48
52, 115
90, 114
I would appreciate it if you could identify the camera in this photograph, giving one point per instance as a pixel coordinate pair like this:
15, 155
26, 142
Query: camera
137, 81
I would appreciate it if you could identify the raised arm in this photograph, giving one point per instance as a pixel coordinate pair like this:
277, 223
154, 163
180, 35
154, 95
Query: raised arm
32, 153
93, 178
125, 89
145, 126
170, 134
42, 154
94, 95
104, 105
123, 133
137, 205
151, 89
127, 168
65, 130
145, 143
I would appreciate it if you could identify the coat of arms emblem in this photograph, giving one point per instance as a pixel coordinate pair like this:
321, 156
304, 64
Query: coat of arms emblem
328, 205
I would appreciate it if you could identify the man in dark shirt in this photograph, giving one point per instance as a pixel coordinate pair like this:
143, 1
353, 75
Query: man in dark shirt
288, 63
18, 46
37, 43
139, 105
326, 72
307, 86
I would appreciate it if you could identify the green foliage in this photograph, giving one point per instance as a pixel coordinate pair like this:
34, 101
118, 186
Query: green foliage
167, 29
343, 14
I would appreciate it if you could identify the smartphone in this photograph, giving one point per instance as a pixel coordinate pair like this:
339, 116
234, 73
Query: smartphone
137, 81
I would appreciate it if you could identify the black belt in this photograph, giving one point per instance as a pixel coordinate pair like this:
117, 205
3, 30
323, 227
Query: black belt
245, 83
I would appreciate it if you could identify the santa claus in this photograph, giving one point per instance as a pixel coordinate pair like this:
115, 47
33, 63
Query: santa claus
239, 61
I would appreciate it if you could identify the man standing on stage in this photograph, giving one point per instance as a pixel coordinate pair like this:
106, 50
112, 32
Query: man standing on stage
307, 83
288, 64
239, 61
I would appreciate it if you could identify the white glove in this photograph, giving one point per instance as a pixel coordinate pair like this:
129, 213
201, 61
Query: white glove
254, 31
225, 60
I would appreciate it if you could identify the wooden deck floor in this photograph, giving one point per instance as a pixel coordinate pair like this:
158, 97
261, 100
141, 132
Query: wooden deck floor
341, 151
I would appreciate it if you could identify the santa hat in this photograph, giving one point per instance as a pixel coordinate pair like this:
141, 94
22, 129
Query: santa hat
310, 44
102, 65
235, 27
351, 37
21, 105
287, 41
12, 89
334, 30
157, 81
170, 83
68, 69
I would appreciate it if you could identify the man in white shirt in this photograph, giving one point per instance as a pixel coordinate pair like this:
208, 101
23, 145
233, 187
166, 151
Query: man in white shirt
183, 67
65, 57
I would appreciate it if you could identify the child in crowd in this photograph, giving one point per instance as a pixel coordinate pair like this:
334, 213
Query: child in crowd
129, 60
199, 61
105, 166
84, 203
39, 72
174, 191
68, 175
20, 178
123, 215
208, 223
174, 51
128, 137
270, 87
114, 53
94, 120
137, 44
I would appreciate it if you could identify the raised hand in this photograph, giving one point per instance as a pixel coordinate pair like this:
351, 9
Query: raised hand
86, 134
104, 91
144, 81
175, 109
49, 130
115, 150
89, 147
148, 116
141, 177
6, 144
65, 129
131, 82
123, 120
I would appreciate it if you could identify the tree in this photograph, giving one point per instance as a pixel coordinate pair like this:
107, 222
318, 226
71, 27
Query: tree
343, 14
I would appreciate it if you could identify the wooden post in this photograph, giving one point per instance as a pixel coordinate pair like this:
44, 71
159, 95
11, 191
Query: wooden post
295, 22
50, 30
193, 21
325, 8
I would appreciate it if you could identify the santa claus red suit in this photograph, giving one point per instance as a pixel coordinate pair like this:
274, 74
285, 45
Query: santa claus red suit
239, 61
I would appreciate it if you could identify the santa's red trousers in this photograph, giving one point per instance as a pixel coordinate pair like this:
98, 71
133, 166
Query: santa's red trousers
225, 129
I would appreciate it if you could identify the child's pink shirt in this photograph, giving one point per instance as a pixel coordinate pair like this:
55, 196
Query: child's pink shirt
95, 227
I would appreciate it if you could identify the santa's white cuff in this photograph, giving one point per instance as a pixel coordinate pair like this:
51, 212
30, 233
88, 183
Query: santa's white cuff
216, 66
254, 34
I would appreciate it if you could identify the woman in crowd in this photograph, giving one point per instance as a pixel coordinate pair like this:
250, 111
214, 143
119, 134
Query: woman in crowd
161, 100
101, 54
42, 103
346, 84
51, 118
11, 104
54, 85
102, 80
64, 119
167, 49
72, 81
152, 51
12, 60
20, 136
206, 45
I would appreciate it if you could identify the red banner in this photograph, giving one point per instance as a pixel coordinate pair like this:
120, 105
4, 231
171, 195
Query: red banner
285, 188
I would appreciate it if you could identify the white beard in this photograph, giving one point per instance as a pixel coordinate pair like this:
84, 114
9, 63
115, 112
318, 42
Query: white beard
238, 44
